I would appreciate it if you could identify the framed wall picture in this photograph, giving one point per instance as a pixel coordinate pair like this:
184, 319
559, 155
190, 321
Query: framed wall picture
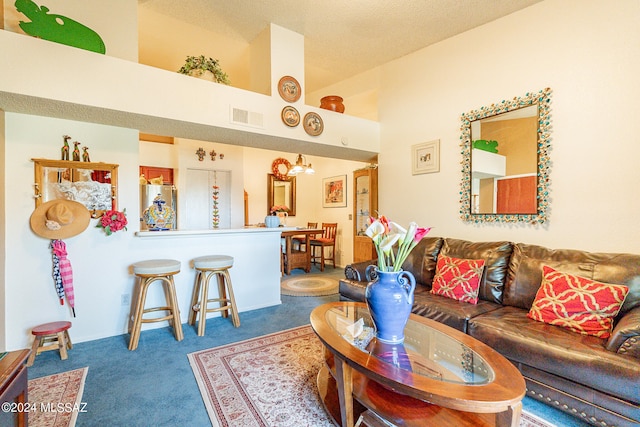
425, 157
334, 192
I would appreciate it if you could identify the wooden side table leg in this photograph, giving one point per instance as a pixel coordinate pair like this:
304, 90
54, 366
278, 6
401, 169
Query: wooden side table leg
68, 340
287, 250
34, 351
345, 390
62, 345
510, 417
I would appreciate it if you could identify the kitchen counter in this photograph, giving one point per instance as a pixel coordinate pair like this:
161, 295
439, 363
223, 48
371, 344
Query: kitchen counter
248, 229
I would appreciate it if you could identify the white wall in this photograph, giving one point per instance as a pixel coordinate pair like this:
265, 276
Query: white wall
587, 53
101, 263
308, 194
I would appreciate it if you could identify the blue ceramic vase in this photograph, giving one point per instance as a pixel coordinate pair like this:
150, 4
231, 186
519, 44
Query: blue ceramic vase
390, 298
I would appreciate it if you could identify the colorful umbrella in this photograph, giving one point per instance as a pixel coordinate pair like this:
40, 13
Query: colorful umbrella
57, 277
66, 273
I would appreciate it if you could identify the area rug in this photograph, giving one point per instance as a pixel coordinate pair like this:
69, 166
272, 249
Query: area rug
309, 285
270, 381
57, 399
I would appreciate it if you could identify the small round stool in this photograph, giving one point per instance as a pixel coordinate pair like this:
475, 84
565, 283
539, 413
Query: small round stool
207, 267
148, 272
55, 335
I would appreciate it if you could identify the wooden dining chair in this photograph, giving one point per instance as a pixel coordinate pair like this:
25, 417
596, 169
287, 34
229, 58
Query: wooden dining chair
298, 241
328, 240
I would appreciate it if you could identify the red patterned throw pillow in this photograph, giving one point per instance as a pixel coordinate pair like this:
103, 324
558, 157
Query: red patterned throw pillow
458, 279
576, 303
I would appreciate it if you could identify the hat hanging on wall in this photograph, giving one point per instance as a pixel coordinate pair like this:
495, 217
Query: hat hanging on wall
60, 219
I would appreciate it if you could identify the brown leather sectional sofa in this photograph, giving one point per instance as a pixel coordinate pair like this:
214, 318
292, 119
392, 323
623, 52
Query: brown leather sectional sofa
595, 379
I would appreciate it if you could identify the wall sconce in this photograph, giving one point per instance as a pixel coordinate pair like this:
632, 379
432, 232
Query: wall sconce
300, 167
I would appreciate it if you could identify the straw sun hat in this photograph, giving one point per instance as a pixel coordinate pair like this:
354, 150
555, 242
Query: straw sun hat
59, 219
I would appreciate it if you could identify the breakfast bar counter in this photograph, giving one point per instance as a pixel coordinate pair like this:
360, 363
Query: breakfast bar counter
256, 269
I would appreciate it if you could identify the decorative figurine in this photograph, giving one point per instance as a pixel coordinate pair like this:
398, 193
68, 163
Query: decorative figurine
159, 217
57, 28
65, 148
213, 155
201, 153
76, 151
85, 154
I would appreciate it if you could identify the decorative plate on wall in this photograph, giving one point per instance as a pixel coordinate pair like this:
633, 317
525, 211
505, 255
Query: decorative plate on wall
289, 89
279, 169
313, 124
290, 116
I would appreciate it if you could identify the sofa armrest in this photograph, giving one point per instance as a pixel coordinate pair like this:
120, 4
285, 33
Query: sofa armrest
625, 337
356, 271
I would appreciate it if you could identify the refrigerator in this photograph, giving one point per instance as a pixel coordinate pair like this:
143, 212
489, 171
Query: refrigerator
148, 192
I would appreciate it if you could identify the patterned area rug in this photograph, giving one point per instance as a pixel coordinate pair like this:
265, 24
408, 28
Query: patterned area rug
270, 381
309, 285
57, 398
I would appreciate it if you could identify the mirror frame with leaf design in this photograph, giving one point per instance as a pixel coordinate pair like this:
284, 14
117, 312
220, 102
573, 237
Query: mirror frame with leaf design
272, 182
541, 99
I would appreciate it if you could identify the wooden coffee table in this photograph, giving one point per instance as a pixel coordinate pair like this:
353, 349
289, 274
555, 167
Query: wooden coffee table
439, 376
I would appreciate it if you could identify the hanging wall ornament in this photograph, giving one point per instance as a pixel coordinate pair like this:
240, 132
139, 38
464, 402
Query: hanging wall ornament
216, 194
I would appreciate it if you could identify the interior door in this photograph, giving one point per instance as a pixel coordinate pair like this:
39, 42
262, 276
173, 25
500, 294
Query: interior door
517, 195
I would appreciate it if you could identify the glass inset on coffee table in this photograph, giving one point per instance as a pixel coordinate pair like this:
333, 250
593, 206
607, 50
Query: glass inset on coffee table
438, 376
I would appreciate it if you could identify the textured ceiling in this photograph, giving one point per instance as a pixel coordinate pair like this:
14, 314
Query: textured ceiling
342, 37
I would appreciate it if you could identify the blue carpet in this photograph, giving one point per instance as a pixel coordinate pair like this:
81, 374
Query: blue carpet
154, 385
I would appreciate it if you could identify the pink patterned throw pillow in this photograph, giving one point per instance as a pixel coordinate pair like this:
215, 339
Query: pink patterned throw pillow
576, 303
458, 279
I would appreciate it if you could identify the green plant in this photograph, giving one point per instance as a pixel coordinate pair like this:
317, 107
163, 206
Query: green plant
201, 64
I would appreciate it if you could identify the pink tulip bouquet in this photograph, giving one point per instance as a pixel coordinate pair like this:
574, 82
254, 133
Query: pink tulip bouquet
385, 234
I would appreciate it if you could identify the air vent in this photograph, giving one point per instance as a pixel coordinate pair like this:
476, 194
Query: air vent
246, 118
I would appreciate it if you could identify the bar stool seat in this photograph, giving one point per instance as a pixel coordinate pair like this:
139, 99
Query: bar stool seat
147, 272
206, 267
56, 337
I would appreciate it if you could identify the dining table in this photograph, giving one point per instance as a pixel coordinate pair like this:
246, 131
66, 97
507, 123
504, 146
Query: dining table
298, 258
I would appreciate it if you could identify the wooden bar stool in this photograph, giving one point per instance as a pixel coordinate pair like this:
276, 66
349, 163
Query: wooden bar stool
148, 272
207, 267
56, 337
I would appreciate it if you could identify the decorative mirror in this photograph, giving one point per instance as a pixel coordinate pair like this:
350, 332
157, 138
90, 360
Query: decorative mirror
92, 184
505, 160
281, 192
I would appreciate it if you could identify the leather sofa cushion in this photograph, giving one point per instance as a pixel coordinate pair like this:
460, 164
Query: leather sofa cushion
421, 262
496, 256
579, 358
448, 311
525, 272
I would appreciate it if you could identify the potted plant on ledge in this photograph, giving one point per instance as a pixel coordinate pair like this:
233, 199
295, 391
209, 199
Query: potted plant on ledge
205, 68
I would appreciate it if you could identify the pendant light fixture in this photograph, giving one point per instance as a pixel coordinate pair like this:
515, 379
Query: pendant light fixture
301, 167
